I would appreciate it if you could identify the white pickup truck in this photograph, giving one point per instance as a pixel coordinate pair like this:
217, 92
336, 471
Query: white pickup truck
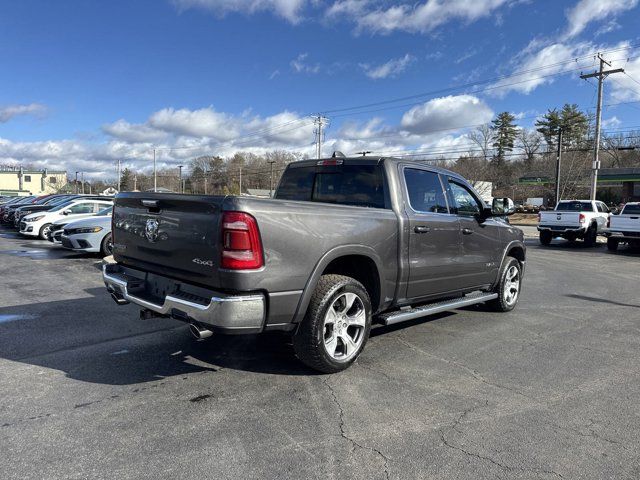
625, 227
574, 219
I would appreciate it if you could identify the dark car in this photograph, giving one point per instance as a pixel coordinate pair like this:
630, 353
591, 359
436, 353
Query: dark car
343, 243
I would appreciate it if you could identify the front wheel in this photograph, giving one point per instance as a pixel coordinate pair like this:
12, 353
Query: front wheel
545, 237
106, 248
509, 286
44, 231
612, 244
336, 326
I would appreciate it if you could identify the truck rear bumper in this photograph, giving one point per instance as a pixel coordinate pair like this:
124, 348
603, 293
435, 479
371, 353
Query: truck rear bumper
623, 236
561, 229
214, 310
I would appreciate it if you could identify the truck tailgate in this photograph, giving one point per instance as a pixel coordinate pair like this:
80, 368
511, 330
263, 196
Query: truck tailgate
625, 223
560, 218
169, 234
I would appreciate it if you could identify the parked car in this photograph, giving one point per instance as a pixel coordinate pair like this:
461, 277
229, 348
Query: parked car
6, 212
344, 242
91, 235
572, 220
624, 227
56, 229
37, 224
45, 203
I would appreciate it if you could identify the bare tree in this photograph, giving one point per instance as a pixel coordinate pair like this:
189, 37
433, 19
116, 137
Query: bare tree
531, 143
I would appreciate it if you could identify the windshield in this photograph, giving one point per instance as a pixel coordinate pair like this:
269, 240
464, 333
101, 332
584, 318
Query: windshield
631, 209
574, 207
104, 212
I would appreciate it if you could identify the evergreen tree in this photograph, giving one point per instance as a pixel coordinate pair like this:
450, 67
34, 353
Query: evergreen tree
504, 133
126, 180
574, 124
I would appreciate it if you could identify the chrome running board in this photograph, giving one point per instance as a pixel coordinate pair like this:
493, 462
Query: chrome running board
398, 316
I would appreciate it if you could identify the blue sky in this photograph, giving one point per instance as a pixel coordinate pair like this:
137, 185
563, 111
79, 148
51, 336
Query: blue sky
87, 82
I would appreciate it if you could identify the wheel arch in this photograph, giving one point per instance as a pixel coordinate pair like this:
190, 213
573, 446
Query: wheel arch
356, 261
517, 250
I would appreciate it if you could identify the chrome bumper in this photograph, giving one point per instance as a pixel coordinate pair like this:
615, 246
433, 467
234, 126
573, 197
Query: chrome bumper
560, 229
235, 313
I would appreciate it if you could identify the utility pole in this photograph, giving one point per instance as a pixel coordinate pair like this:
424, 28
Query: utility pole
601, 75
240, 193
76, 182
364, 154
135, 181
82, 175
180, 177
319, 122
155, 176
558, 162
119, 176
271, 180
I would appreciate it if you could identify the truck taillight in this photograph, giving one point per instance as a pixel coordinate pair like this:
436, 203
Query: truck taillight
582, 218
241, 244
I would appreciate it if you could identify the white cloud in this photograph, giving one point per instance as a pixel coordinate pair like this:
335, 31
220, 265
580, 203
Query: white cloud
123, 130
587, 11
612, 122
287, 9
205, 122
446, 113
8, 112
299, 65
389, 69
376, 17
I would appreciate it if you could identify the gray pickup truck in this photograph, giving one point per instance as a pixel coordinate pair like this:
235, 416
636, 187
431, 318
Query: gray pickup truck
344, 242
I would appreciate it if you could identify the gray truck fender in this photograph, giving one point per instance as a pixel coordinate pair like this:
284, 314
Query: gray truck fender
514, 243
325, 260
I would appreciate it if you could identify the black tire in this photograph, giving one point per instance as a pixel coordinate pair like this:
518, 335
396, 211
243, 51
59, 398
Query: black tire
106, 247
309, 339
44, 230
545, 237
501, 304
591, 236
612, 244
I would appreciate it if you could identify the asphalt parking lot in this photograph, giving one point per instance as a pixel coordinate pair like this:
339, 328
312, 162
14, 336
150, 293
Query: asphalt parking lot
550, 390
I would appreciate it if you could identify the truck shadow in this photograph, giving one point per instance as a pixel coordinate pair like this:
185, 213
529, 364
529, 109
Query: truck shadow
602, 300
91, 339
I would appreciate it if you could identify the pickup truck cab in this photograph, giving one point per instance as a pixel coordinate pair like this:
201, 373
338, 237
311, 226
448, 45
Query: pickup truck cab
624, 227
343, 243
574, 219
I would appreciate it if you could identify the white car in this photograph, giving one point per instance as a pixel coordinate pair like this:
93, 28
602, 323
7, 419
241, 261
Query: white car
625, 227
573, 219
91, 235
55, 231
37, 224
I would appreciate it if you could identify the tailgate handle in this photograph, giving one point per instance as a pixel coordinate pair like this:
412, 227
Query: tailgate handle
150, 203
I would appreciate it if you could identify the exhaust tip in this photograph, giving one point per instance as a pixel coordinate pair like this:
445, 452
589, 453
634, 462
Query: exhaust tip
199, 332
118, 299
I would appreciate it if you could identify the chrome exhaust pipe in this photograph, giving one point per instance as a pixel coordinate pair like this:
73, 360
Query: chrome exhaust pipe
118, 299
199, 331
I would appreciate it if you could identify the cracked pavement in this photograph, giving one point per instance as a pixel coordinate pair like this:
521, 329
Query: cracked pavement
548, 391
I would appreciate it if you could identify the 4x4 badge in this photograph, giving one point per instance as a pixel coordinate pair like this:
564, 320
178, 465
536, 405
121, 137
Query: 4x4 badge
151, 230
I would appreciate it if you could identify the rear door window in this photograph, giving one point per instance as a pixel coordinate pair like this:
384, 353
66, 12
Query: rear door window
631, 210
425, 191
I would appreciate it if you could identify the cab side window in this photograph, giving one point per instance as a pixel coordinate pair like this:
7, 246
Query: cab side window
425, 191
464, 202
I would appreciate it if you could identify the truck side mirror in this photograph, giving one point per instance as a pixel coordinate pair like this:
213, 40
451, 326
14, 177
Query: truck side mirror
502, 206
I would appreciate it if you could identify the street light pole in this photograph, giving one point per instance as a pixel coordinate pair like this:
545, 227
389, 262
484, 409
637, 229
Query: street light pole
82, 174
76, 182
155, 176
181, 187
271, 180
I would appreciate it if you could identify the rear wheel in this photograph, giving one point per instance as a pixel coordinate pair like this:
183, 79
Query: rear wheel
545, 237
509, 286
612, 244
591, 236
336, 326
106, 247
44, 231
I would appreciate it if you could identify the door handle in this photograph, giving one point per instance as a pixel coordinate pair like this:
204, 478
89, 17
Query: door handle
421, 229
467, 231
